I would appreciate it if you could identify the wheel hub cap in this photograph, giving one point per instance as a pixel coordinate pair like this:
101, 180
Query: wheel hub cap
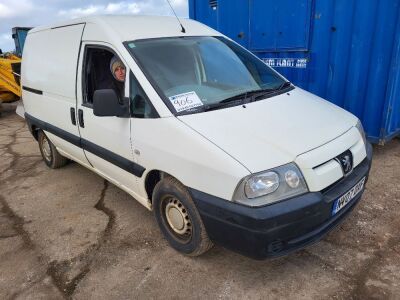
177, 217
46, 149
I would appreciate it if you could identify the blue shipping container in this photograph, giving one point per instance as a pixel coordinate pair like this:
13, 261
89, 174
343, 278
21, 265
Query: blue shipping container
345, 51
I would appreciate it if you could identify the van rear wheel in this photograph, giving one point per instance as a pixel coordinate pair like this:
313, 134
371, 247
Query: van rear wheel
50, 155
178, 218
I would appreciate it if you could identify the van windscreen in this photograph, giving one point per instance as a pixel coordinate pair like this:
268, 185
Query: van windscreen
191, 73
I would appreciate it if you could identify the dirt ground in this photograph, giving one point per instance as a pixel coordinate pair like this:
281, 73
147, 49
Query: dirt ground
67, 233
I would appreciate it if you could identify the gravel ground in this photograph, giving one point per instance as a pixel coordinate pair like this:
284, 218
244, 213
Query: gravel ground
67, 233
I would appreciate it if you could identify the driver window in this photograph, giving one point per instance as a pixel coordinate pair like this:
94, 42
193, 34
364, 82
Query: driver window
102, 70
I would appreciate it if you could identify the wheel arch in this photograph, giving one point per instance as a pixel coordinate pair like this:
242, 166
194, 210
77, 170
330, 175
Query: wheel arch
152, 178
35, 131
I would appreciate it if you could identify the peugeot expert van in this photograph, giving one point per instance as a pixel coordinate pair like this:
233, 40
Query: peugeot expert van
217, 144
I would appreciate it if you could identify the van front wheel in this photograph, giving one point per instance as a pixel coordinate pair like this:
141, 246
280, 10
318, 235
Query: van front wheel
178, 218
50, 155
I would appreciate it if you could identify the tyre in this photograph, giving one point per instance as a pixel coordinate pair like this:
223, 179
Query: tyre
178, 218
50, 155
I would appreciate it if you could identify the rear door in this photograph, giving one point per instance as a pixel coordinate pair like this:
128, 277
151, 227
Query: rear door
49, 85
106, 140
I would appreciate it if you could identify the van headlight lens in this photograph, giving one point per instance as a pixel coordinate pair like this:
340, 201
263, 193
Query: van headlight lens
292, 179
362, 132
271, 186
262, 184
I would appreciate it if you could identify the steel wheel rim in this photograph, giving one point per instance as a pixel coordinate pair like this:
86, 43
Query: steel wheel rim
178, 219
46, 149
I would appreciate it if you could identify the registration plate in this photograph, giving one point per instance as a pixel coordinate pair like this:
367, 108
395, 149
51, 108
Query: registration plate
346, 198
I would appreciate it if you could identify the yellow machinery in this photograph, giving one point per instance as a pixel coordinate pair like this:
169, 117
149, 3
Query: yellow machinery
10, 67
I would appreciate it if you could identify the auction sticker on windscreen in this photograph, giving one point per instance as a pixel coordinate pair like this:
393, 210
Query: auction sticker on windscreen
185, 101
346, 198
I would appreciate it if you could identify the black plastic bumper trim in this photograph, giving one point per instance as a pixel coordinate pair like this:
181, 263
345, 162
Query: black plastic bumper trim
280, 228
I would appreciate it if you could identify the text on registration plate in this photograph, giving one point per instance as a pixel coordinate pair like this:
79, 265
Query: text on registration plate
346, 198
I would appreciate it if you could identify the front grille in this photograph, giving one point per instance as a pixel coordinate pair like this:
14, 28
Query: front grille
331, 186
336, 183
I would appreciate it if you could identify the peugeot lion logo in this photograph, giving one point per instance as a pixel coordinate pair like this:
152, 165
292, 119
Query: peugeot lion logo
346, 162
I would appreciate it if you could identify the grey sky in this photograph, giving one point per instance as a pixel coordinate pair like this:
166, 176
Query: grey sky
31, 13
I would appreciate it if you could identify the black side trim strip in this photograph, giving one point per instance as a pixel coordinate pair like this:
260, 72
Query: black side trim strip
105, 154
65, 135
113, 158
39, 92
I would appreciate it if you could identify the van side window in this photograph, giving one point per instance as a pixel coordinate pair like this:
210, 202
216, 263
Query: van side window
141, 106
97, 74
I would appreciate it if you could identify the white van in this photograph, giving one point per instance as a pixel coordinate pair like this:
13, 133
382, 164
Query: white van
220, 146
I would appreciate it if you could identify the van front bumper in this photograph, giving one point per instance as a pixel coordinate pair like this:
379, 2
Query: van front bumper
279, 228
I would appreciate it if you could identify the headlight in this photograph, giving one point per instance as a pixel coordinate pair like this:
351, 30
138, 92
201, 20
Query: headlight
271, 186
362, 132
261, 184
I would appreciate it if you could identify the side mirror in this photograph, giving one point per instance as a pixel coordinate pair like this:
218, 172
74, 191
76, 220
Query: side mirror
106, 104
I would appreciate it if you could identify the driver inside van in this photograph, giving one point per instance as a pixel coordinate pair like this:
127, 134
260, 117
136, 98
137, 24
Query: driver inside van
118, 71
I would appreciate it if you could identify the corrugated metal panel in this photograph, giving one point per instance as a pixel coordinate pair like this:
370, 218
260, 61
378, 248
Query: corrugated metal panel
391, 120
275, 24
345, 51
235, 21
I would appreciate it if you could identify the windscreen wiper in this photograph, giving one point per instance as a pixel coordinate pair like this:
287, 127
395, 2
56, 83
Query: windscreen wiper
245, 97
265, 92
283, 86
231, 101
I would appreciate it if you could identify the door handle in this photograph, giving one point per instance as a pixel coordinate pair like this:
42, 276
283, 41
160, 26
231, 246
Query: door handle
73, 117
80, 118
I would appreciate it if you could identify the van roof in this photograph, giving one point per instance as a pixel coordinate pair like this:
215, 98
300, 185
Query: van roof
129, 27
